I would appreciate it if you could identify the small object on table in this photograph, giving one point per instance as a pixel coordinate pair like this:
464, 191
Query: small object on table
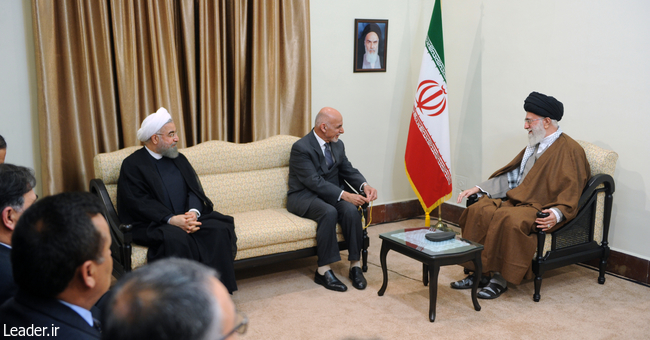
440, 236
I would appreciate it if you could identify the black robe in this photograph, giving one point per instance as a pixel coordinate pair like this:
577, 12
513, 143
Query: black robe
144, 202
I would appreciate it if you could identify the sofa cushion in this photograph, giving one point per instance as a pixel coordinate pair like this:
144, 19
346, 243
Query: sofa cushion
264, 232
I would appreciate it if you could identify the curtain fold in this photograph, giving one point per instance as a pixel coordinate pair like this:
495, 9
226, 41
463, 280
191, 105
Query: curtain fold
234, 70
76, 98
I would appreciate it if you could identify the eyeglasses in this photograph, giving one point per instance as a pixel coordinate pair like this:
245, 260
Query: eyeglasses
241, 326
171, 134
529, 121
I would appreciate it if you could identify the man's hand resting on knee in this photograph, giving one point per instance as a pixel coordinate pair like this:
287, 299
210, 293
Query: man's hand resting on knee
187, 222
355, 199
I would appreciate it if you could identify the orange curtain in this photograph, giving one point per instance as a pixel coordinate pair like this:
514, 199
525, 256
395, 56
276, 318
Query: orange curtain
234, 70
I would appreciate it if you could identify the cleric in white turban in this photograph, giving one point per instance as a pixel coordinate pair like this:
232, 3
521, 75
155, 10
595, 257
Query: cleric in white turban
153, 123
160, 195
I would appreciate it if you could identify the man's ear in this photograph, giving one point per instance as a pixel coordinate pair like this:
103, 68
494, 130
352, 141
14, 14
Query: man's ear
88, 272
8, 219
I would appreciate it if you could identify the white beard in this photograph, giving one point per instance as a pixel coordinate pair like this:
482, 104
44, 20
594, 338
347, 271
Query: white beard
538, 133
371, 57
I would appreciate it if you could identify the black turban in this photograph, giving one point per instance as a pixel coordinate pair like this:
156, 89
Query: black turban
371, 27
544, 106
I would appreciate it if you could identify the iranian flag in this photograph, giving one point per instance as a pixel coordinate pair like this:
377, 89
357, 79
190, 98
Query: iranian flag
427, 156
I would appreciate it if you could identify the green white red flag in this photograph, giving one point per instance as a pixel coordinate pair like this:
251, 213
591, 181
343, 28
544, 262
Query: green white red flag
427, 156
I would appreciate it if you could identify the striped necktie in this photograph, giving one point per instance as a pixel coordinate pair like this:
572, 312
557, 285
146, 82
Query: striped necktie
328, 156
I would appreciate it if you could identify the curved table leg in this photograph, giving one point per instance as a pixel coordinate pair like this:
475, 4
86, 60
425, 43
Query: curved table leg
384, 269
425, 274
433, 290
478, 265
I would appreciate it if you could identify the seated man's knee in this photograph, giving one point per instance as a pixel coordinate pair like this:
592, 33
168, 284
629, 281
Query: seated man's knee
330, 214
350, 211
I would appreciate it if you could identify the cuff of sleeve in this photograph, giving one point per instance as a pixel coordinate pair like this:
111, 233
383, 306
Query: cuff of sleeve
558, 214
341, 194
198, 214
480, 193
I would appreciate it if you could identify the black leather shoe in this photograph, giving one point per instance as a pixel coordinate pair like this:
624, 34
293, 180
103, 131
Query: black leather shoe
329, 281
358, 281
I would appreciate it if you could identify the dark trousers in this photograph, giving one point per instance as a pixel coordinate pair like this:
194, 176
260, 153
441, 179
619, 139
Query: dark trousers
213, 245
327, 216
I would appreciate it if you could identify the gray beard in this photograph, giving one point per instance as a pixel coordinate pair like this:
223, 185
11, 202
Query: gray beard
538, 134
170, 153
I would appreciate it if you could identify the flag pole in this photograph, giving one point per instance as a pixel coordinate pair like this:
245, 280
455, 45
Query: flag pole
441, 226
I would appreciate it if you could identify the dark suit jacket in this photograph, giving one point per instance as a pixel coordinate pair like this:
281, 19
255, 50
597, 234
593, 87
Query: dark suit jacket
309, 177
7, 285
24, 311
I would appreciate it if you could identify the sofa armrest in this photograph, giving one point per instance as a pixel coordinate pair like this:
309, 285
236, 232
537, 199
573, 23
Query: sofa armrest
121, 234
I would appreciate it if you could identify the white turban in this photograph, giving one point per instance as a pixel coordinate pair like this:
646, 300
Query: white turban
153, 123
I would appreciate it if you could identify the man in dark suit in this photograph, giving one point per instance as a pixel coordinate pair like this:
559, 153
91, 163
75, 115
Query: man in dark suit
62, 265
16, 194
159, 193
318, 170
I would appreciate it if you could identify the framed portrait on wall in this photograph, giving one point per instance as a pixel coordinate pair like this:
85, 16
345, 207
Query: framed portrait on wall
370, 45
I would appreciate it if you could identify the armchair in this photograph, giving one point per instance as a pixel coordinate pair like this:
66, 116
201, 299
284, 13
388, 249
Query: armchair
585, 237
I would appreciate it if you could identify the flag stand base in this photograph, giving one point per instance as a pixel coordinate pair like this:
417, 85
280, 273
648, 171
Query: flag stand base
440, 226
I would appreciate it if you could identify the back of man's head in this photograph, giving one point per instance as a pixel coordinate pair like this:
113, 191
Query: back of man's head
52, 239
3, 149
15, 182
168, 299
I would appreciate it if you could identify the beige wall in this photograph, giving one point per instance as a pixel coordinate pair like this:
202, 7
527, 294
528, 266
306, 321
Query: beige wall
592, 55
18, 102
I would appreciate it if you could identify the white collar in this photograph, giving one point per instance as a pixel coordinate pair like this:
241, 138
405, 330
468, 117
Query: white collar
154, 154
6, 245
321, 142
548, 140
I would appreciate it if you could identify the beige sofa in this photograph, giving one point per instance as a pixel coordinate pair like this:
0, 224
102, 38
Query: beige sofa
246, 181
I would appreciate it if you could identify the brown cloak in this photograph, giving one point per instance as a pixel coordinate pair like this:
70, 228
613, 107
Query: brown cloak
505, 228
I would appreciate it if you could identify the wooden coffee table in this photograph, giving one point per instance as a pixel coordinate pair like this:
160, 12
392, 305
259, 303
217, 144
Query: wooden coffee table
412, 243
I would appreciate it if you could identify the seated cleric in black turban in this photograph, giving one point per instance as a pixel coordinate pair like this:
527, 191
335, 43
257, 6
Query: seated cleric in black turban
544, 106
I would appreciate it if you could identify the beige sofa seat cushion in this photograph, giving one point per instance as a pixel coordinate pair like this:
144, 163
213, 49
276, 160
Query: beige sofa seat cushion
272, 231
264, 232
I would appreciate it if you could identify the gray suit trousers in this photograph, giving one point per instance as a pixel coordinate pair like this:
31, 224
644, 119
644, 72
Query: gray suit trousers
327, 216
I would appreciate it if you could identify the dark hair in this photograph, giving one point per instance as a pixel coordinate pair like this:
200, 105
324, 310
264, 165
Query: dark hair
168, 299
52, 239
3, 143
15, 181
